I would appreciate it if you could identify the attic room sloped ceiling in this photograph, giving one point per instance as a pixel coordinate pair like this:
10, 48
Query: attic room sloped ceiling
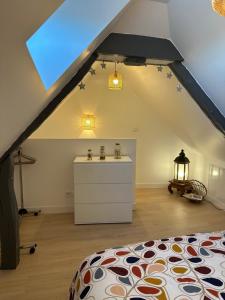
196, 31
22, 103
156, 92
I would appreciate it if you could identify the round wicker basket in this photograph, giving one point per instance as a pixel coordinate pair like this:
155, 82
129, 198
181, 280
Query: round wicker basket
197, 192
198, 188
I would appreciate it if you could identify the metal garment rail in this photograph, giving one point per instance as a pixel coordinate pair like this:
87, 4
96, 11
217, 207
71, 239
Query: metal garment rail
20, 160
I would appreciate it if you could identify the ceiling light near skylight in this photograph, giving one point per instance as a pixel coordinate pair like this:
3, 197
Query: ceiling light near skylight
115, 80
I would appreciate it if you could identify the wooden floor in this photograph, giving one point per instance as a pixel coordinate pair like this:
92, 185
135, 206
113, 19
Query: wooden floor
61, 245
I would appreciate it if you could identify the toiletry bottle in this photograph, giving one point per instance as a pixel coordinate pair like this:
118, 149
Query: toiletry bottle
117, 152
102, 153
89, 155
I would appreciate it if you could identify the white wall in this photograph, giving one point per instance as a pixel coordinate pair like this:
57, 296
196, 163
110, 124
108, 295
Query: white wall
48, 184
149, 109
130, 113
216, 186
198, 32
145, 17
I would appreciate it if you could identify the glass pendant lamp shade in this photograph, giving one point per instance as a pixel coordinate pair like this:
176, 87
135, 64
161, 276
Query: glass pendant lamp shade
181, 167
115, 80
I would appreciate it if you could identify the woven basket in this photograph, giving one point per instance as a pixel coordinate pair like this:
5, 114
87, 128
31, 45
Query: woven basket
198, 188
219, 6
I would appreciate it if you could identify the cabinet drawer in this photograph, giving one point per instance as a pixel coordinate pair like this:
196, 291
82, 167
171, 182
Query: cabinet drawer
104, 193
103, 213
104, 173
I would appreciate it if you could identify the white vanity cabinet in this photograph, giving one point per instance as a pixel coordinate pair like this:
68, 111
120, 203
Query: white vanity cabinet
103, 190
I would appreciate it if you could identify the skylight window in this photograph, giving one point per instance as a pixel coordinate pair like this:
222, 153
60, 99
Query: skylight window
67, 33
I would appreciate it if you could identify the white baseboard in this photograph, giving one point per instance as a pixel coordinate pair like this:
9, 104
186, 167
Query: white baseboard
151, 185
70, 209
219, 203
53, 209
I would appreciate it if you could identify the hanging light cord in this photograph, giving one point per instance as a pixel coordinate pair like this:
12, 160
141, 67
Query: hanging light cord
115, 68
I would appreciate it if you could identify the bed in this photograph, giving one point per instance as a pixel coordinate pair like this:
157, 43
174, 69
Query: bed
181, 268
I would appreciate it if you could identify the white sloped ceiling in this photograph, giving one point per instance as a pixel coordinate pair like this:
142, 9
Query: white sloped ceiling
23, 96
198, 32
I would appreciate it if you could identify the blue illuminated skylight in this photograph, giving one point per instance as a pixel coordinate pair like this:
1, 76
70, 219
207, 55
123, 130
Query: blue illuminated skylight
67, 33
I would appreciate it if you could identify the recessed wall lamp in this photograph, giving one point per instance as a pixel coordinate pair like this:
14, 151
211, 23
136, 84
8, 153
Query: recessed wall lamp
219, 7
215, 171
115, 80
88, 122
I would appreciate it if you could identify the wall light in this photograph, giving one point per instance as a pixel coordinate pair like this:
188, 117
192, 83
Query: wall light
88, 122
115, 80
215, 171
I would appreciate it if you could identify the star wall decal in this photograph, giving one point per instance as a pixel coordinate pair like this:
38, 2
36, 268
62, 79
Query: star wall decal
179, 88
81, 85
103, 65
160, 68
169, 75
92, 71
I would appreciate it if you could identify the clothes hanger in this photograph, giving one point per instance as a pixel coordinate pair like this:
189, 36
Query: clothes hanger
27, 159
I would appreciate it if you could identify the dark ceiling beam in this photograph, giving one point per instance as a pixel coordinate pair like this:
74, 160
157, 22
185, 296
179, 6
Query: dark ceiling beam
199, 96
130, 45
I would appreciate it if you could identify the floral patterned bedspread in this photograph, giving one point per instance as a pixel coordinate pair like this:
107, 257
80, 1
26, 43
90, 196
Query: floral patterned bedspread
181, 268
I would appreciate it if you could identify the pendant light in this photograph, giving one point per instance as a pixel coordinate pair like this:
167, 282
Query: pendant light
115, 80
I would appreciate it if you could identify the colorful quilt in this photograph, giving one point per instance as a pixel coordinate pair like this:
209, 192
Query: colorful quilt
179, 268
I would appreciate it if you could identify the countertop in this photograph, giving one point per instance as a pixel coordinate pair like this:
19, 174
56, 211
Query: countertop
95, 159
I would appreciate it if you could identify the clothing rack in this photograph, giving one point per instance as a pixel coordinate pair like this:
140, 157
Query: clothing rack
20, 160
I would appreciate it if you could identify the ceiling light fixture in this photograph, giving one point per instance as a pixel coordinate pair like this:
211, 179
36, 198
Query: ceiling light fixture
219, 7
115, 80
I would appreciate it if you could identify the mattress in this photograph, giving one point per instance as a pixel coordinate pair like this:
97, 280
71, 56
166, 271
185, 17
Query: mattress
181, 268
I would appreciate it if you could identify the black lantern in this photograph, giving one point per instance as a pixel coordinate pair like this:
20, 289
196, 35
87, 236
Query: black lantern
181, 167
